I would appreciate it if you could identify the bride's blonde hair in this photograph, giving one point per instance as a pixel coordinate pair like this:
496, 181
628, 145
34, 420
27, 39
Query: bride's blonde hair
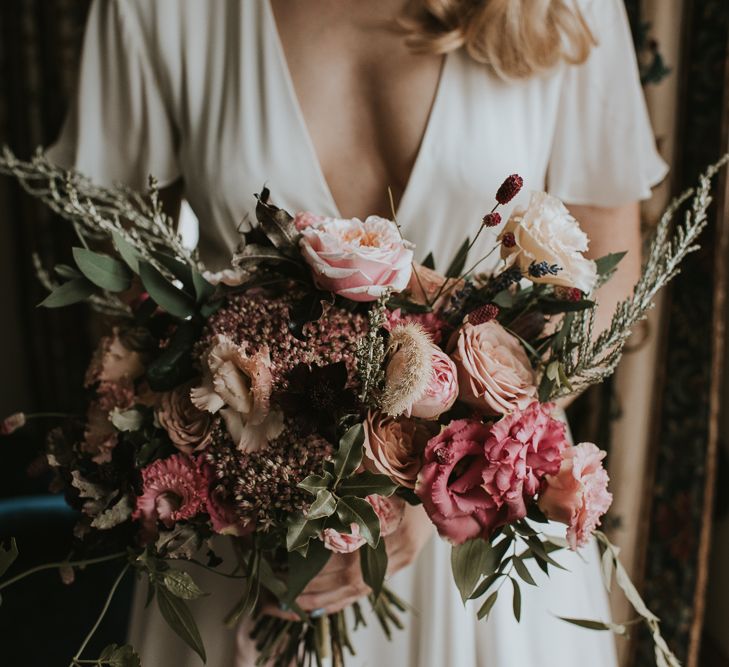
518, 38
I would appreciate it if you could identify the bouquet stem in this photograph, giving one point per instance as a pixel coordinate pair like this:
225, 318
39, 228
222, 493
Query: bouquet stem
323, 637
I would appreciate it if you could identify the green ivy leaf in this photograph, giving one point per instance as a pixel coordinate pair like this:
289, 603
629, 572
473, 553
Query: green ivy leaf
181, 585
8, 555
486, 607
179, 618
349, 454
355, 510
467, 562
367, 483
323, 506
104, 271
126, 251
164, 293
303, 569
68, 293
374, 566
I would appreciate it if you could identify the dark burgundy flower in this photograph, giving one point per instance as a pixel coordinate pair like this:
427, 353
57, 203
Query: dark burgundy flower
509, 189
317, 396
482, 314
492, 219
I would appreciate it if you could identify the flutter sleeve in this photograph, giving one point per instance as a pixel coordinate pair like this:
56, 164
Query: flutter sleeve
604, 151
119, 127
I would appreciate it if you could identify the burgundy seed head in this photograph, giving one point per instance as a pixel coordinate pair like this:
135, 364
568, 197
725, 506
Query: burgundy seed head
508, 240
482, 314
509, 189
491, 219
568, 293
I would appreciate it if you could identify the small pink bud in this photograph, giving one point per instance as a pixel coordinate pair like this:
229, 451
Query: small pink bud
12, 423
508, 240
509, 189
491, 219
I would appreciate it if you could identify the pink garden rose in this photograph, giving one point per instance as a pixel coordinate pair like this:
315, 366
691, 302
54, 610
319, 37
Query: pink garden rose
304, 219
494, 373
577, 495
238, 385
173, 489
394, 446
343, 543
189, 428
390, 512
450, 483
522, 448
357, 260
442, 389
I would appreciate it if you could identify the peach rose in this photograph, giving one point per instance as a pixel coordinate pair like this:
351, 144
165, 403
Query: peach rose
239, 387
546, 232
357, 260
426, 283
442, 389
577, 495
188, 427
494, 373
393, 446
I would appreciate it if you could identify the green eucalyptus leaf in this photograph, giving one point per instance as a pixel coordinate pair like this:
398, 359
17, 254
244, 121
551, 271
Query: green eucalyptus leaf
66, 271
467, 562
180, 270
367, 483
314, 483
203, 289
488, 605
126, 251
324, 505
374, 566
523, 571
164, 293
349, 454
516, 600
303, 569
300, 530
181, 585
8, 555
104, 271
78, 289
351, 509
179, 618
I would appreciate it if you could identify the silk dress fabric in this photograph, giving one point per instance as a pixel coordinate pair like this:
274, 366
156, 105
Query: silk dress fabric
201, 90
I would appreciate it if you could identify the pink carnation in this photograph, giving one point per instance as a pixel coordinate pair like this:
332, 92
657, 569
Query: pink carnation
521, 449
343, 543
577, 495
173, 489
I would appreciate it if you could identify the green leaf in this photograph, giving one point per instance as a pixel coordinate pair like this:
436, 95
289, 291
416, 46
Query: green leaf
496, 555
8, 555
409, 496
314, 483
179, 618
608, 263
488, 605
367, 483
586, 623
203, 289
429, 261
66, 271
485, 585
71, 292
467, 562
355, 510
181, 585
504, 299
303, 569
126, 251
349, 454
324, 505
523, 571
535, 514
555, 306
180, 270
164, 293
300, 530
124, 656
455, 268
516, 599
374, 566
104, 271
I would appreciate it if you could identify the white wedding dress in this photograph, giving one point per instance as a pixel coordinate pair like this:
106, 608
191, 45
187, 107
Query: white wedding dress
201, 90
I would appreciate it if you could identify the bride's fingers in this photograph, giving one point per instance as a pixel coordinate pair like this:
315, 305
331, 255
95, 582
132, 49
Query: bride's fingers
272, 609
333, 598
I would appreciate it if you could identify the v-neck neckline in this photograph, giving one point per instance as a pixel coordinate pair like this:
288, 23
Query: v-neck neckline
295, 105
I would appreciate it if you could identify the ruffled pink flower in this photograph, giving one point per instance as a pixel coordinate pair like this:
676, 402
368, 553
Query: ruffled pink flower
577, 495
343, 543
389, 511
357, 260
173, 489
442, 389
432, 324
304, 219
522, 448
494, 373
450, 484
219, 507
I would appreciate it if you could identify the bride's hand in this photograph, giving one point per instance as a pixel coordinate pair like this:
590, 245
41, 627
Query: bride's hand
340, 583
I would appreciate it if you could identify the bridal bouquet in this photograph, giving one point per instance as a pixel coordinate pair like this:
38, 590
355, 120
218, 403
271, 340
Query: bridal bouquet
299, 400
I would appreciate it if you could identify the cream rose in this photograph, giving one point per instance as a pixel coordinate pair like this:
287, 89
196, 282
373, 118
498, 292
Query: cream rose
494, 373
357, 260
546, 232
239, 387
